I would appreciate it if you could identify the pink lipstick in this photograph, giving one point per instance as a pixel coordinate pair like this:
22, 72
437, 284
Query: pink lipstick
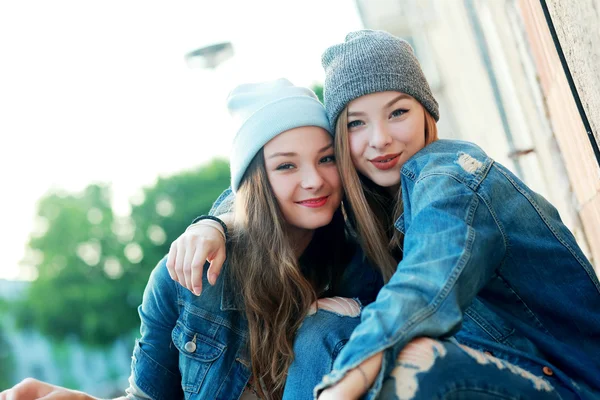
314, 203
386, 162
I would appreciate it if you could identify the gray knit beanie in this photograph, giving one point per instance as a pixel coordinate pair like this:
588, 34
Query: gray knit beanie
372, 61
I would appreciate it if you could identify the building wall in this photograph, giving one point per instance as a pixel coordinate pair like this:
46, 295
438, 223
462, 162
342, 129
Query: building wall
581, 49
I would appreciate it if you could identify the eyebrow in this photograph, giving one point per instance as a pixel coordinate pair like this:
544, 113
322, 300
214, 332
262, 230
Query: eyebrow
389, 103
291, 154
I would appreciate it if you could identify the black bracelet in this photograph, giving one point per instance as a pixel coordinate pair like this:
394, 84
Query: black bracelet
223, 225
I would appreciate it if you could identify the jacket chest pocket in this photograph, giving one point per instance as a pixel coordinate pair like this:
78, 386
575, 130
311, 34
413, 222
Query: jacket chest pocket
482, 322
197, 353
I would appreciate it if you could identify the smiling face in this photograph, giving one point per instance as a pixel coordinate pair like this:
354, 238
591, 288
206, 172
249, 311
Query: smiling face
301, 169
384, 130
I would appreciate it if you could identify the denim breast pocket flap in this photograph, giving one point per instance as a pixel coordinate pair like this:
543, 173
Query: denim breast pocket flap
195, 345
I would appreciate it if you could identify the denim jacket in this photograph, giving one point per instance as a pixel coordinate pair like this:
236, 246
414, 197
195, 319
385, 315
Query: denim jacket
194, 347
483, 252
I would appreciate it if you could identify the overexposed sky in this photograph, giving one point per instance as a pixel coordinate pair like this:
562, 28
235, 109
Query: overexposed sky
100, 92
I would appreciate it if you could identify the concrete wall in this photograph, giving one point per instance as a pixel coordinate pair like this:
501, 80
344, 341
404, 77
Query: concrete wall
581, 46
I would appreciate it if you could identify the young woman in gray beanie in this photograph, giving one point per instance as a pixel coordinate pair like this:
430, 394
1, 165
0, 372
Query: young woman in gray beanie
257, 328
488, 294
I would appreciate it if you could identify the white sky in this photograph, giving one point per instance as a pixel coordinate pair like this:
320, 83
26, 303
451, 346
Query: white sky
99, 91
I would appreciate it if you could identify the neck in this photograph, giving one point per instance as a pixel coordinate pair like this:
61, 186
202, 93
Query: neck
300, 239
393, 190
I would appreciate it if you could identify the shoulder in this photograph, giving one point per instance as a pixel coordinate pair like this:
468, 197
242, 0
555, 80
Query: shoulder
160, 278
464, 161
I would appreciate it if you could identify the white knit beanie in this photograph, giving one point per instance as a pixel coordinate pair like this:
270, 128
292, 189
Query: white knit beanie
262, 111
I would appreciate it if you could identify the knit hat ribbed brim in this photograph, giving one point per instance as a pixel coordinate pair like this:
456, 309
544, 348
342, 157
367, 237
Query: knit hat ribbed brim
368, 62
262, 111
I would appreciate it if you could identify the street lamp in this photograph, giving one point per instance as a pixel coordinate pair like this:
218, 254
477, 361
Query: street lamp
209, 57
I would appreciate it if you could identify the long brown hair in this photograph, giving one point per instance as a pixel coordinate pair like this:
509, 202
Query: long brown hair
275, 289
370, 210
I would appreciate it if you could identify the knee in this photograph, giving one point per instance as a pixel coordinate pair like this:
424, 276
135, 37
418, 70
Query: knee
323, 334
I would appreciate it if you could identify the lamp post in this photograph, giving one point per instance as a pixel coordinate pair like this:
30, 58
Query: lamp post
209, 57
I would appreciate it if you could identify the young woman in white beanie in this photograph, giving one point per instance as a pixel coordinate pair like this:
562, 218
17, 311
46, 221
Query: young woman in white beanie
488, 294
248, 335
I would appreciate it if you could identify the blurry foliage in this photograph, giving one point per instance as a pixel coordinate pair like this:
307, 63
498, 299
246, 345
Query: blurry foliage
93, 265
318, 89
6, 362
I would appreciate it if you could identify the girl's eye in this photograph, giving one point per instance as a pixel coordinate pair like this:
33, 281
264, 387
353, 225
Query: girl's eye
354, 124
285, 166
397, 113
327, 159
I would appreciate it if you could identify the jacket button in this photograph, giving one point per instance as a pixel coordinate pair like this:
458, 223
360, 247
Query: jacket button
547, 371
190, 347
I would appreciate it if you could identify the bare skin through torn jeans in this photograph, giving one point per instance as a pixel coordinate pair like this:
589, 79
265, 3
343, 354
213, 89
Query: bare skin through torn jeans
439, 369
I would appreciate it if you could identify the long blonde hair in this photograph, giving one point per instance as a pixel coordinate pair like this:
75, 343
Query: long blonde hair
276, 291
370, 210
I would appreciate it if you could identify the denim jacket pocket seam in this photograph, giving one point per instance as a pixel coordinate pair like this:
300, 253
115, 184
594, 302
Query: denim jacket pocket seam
208, 351
556, 234
214, 319
140, 356
491, 330
530, 313
182, 333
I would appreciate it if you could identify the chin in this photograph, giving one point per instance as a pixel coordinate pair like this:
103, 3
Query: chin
387, 180
316, 221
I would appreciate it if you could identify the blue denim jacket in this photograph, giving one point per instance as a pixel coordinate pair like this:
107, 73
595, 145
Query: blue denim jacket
485, 253
194, 347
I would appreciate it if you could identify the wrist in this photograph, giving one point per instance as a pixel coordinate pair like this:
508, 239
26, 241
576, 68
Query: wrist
217, 221
208, 223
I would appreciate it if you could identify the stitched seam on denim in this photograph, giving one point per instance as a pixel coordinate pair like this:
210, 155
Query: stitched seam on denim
409, 174
398, 225
527, 309
146, 389
428, 310
206, 315
498, 225
224, 380
495, 393
591, 274
336, 350
191, 333
472, 184
196, 386
489, 328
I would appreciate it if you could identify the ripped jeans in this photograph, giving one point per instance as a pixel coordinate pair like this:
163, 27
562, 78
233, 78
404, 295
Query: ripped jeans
443, 369
317, 344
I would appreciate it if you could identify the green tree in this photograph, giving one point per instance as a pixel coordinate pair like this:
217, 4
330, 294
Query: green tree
6, 362
93, 265
318, 89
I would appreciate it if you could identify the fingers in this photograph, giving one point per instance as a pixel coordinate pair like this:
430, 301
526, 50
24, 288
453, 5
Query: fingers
197, 268
216, 264
171, 257
187, 266
188, 254
356, 382
28, 389
179, 275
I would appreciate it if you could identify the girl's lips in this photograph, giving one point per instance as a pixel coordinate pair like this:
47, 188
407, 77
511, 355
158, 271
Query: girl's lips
314, 203
386, 162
